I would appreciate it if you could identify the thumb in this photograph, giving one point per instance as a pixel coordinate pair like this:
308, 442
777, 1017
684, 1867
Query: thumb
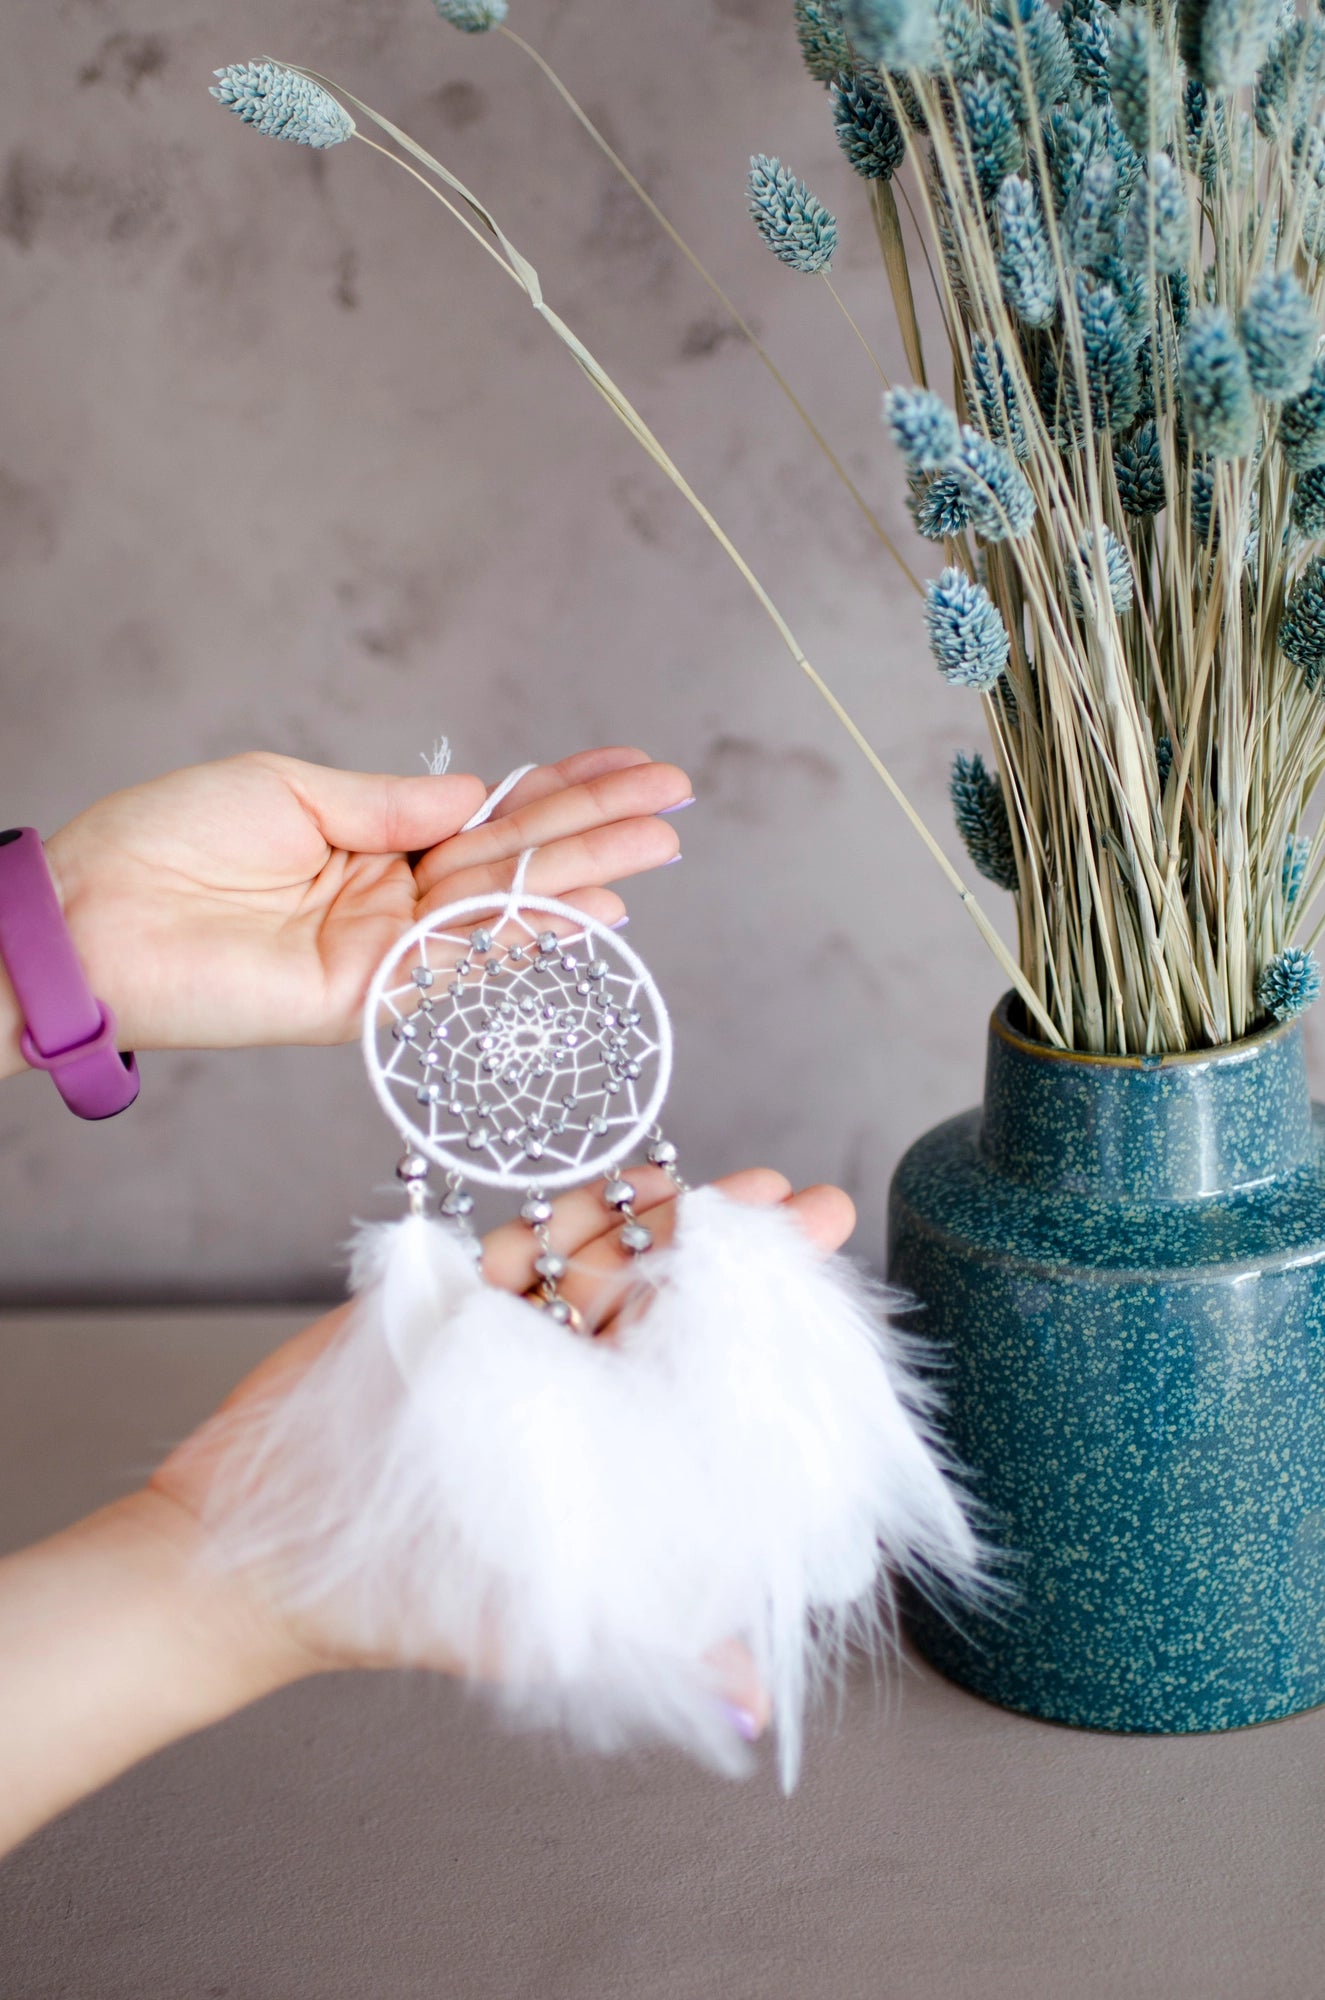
368, 812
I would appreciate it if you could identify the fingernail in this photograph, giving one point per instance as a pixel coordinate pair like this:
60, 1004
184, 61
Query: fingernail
679, 807
672, 863
620, 924
741, 1720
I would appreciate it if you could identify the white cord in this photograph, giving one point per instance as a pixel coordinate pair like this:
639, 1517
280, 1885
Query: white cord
496, 795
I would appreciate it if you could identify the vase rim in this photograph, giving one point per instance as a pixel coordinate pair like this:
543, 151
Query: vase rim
1027, 1045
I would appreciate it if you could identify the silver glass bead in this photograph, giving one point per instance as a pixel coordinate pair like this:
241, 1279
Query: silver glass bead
609, 1017
583, 986
636, 1238
458, 1202
511, 1136
535, 1127
487, 1041
569, 962
481, 939
630, 1017
662, 1153
597, 1124
631, 1069
404, 1031
551, 1266
618, 1194
612, 1086
560, 1310
456, 1107
569, 1100
423, 975
598, 969
536, 1208
558, 1127
478, 1138
548, 943
491, 1063
412, 1168
534, 1150
428, 1093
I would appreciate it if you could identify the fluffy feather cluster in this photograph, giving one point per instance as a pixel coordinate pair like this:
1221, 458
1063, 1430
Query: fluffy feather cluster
1127, 207
584, 1521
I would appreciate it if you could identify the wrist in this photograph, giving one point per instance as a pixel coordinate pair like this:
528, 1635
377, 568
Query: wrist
115, 1641
220, 1628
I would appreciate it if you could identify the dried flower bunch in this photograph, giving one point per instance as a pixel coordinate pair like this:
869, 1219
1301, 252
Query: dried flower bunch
1125, 208
1125, 213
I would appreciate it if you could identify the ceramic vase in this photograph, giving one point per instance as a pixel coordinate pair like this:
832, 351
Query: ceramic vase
1121, 1262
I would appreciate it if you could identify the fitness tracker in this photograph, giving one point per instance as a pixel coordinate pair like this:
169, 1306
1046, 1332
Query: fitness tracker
68, 1031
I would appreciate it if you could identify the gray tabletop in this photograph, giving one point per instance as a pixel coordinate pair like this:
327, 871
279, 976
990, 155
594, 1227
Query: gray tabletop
379, 1837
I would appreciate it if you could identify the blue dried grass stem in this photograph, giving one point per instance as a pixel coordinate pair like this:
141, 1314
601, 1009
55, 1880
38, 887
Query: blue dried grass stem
732, 311
1140, 974
481, 224
1110, 281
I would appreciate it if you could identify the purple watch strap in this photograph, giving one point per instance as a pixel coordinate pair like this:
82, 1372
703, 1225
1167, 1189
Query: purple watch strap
68, 1032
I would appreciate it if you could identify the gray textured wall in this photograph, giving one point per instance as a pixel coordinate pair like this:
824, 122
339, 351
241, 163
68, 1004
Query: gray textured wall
288, 463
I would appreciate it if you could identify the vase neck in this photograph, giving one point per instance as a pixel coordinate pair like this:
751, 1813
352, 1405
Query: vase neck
1146, 1128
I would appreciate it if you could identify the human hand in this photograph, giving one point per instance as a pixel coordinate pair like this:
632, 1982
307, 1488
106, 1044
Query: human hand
585, 1232
249, 902
116, 1637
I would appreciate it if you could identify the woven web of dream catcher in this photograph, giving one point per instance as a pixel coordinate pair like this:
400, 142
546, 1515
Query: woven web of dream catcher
521, 1046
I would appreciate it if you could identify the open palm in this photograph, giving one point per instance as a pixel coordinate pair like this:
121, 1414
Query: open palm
588, 1235
248, 902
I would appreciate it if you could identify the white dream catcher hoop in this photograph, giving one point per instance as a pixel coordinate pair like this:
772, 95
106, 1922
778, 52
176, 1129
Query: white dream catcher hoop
514, 1054
473, 1478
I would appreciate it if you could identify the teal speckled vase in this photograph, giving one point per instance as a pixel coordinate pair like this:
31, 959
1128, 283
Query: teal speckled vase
1124, 1262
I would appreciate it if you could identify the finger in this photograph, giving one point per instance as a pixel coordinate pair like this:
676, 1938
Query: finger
577, 809
366, 812
601, 1274
828, 1214
602, 905
740, 1688
584, 860
599, 1277
585, 1230
577, 1218
576, 770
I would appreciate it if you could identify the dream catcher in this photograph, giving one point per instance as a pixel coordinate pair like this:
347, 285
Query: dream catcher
584, 1517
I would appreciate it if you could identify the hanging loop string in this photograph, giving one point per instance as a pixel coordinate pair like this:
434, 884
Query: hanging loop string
496, 795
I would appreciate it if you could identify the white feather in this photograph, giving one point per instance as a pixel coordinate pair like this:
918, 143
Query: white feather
819, 1462
459, 1479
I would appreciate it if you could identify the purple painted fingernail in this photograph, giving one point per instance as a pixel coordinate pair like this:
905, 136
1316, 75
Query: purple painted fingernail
679, 807
741, 1720
672, 863
620, 924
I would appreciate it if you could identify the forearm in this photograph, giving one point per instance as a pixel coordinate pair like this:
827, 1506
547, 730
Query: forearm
113, 1645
